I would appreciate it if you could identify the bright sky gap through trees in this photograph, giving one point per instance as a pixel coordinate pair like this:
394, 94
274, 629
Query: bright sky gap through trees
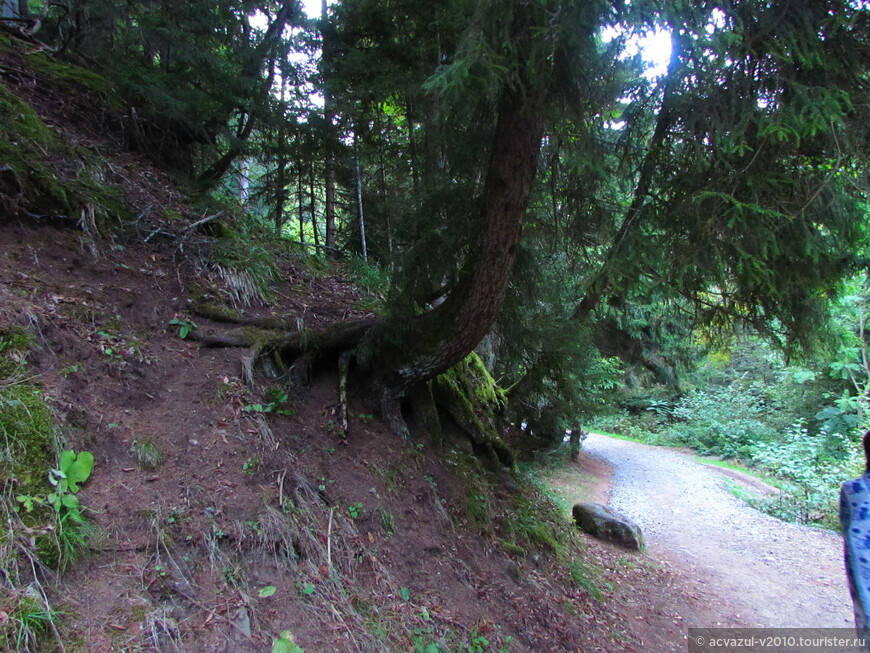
655, 47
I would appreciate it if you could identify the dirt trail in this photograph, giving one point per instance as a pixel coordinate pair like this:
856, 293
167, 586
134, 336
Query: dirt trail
754, 570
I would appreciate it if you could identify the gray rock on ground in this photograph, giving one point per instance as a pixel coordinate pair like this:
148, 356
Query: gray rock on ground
606, 524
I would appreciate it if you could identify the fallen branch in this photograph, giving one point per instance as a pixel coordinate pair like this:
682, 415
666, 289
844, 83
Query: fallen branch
202, 221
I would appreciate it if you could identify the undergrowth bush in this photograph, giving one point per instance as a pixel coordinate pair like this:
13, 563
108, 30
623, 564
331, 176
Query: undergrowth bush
371, 277
726, 422
811, 468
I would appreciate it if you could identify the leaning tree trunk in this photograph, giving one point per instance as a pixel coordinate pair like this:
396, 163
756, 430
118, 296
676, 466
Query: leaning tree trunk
249, 111
447, 334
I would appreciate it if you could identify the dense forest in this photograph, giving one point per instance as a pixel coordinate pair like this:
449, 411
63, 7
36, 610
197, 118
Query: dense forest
553, 232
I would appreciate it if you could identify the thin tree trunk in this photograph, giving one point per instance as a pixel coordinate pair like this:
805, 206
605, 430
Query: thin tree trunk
328, 116
281, 196
359, 205
383, 179
300, 195
412, 144
219, 168
244, 181
330, 199
601, 282
313, 204
251, 70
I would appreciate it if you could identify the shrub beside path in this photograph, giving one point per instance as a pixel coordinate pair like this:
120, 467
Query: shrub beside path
768, 573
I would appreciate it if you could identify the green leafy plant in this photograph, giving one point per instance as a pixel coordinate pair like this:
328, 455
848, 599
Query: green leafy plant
114, 347
477, 643
355, 509
285, 644
184, 327
61, 544
251, 465
423, 643
71, 369
810, 472
71, 472
725, 421
276, 400
306, 589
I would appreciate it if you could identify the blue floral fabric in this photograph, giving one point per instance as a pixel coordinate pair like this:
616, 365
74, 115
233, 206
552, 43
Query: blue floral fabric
855, 526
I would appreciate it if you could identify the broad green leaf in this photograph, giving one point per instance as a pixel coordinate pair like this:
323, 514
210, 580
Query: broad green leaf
285, 644
77, 469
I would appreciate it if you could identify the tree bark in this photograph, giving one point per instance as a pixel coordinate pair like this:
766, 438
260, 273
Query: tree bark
447, 334
326, 33
300, 196
359, 204
313, 204
281, 196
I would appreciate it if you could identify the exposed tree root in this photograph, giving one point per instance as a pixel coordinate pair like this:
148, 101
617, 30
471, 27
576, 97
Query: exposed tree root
391, 413
219, 340
467, 393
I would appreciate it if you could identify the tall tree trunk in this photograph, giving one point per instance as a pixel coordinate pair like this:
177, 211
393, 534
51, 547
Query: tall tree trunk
313, 204
359, 204
299, 196
382, 166
329, 209
447, 334
281, 195
326, 33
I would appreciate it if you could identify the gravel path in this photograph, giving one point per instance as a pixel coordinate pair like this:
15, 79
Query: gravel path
767, 573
